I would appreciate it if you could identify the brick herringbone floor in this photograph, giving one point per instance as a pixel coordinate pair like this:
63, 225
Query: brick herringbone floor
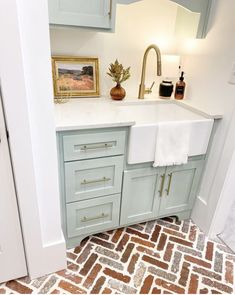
157, 257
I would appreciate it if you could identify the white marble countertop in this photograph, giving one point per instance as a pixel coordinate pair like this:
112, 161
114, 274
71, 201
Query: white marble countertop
88, 113
204, 109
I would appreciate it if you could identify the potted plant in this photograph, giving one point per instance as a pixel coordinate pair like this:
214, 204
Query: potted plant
119, 75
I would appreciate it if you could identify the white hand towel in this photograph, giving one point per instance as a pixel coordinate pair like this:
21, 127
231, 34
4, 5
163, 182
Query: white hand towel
172, 143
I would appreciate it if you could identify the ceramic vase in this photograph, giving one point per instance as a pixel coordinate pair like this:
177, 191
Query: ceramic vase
117, 92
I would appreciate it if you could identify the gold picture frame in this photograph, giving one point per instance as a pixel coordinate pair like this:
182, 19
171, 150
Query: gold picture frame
75, 76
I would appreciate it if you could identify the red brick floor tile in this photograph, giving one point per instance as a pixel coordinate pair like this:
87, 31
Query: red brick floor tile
158, 257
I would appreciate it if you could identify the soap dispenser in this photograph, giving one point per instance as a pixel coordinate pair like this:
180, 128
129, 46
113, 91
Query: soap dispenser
180, 87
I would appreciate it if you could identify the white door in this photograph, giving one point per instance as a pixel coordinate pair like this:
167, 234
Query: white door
12, 258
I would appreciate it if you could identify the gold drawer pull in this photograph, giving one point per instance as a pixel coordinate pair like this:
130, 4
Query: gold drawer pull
86, 219
95, 147
110, 8
169, 184
162, 184
95, 180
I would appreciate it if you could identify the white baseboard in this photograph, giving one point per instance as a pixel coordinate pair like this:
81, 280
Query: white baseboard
54, 259
199, 214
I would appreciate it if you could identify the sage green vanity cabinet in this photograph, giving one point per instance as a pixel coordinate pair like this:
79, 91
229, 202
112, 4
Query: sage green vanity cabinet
100, 191
98, 14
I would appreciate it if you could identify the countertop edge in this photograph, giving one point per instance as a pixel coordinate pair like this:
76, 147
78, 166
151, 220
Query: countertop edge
197, 110
95, 126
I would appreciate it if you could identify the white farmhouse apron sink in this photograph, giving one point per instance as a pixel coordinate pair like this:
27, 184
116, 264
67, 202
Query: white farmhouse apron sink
143, 135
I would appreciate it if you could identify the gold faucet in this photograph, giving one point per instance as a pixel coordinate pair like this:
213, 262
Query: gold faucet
142, 89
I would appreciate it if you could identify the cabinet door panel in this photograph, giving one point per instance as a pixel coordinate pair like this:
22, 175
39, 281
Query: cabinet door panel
140, 195
83, 13
180, 188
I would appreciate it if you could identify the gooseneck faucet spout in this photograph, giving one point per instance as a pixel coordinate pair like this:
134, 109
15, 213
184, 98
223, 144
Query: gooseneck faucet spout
142, 89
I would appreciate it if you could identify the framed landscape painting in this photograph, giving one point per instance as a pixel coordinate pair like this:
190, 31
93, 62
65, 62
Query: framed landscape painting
75, 76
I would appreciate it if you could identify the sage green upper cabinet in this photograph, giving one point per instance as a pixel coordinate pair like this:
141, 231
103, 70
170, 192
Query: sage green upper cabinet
98, 14
192, 18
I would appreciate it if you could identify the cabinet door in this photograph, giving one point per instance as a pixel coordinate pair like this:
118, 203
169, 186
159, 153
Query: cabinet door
84, 13
140, 199
181, 185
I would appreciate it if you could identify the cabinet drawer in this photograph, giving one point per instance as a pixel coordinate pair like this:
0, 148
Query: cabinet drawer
93, 145
89, 216
93, 178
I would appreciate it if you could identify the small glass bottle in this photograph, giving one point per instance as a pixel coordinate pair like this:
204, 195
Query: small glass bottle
180, 87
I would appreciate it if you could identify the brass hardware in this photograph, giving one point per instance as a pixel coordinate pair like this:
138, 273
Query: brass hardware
110, 8
149, 90
94, 147
169, 184
95, 180
86, 219
162, 184
142, 89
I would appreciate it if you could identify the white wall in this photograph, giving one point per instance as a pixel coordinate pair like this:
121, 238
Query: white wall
137, 26
25, 73
208, 64
227, 204
227, 196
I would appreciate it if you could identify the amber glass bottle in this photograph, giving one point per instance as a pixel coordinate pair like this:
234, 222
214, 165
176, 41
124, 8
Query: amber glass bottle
180, 87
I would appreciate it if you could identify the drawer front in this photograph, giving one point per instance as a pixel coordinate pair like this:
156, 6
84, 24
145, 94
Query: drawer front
89, 216
93, 178
93, 145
